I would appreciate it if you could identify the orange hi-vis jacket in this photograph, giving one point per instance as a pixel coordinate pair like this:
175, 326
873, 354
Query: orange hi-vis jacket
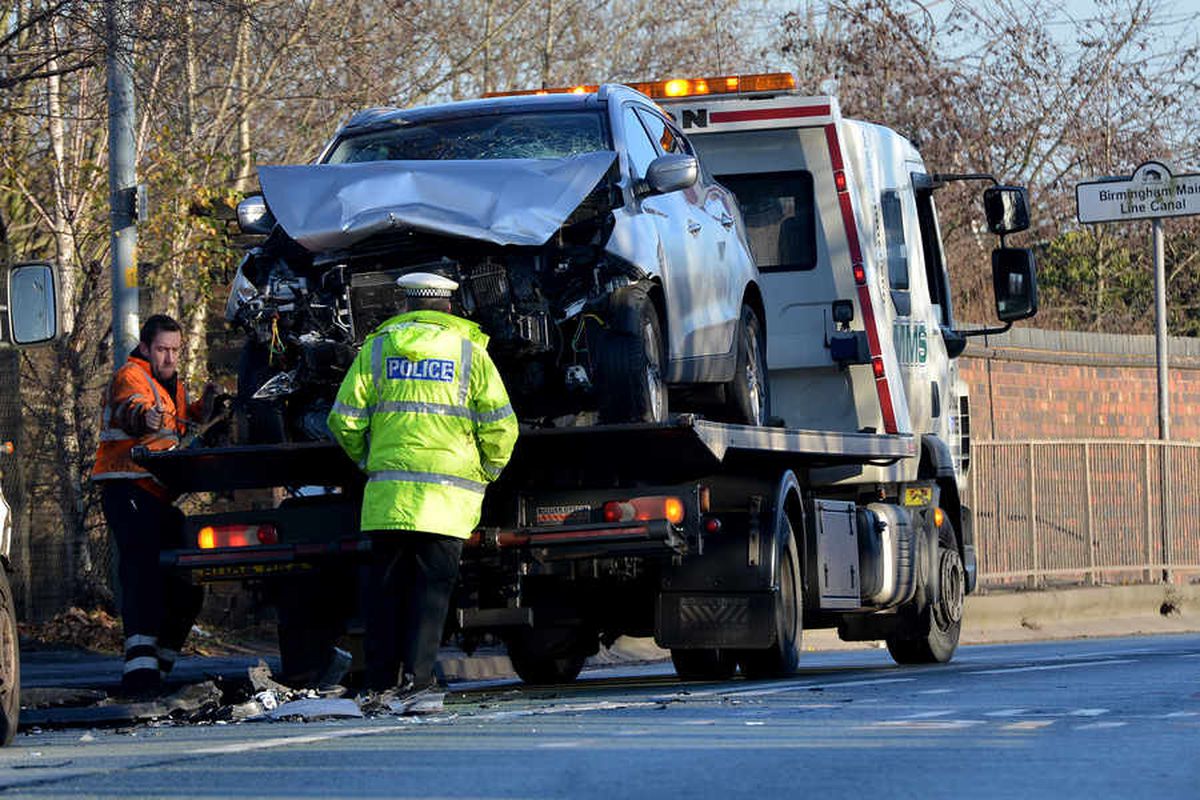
134, 390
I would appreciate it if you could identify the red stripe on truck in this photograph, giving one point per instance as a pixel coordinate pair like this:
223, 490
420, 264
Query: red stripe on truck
793, 112
864, 292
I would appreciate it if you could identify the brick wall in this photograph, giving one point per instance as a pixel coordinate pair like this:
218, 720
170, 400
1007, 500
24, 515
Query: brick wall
1035, 384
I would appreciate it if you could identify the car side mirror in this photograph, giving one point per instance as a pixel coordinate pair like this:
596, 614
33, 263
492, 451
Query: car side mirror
671, 173
33, 308
1014, 279
1006, 208
253, 216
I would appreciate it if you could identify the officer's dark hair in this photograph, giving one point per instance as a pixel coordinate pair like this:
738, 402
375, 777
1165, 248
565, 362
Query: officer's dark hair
156, 324
427, 304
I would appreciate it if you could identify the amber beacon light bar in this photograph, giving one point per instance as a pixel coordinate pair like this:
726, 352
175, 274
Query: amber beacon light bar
683, 87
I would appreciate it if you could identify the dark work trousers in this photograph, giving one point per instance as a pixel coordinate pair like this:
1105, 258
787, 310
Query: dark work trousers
154, 602
412, 578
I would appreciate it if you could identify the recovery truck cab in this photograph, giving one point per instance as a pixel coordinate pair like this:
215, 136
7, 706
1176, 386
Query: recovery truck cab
724, 541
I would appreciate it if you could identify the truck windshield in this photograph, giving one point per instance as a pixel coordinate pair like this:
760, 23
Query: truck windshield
529, 135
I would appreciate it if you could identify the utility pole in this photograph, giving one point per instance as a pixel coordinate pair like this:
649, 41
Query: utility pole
122, 179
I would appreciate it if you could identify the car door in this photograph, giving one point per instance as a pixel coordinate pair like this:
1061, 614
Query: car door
699, 288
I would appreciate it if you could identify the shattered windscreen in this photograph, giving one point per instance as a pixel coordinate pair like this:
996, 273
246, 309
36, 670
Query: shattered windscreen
519, 135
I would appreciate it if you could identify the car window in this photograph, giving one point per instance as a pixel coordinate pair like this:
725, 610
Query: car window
780, 217
637, 142
669, 140
893, 234
518, 135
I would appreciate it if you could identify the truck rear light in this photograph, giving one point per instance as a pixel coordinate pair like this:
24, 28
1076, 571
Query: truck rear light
213, 536
644, 509
712, 525
705, 498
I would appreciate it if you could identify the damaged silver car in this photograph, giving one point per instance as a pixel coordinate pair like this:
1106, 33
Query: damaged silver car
610, 270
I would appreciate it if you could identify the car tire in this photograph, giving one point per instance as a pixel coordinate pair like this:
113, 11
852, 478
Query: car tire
703, 664
10, 663
632, 364
541, 657
748, 394
940, 624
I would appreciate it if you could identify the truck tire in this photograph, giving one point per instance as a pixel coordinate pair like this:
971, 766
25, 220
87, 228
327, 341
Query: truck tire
10, 663
545, 656
940, 623
783, 656
632, 364
704, 664
748, 394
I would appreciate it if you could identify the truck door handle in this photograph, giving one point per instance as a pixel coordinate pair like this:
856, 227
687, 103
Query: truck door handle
727, 221
693, 227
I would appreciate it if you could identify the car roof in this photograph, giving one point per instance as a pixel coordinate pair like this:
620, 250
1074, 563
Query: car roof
511, 104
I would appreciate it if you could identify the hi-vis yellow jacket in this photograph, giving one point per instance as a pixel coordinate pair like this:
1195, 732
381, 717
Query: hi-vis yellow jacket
423, 410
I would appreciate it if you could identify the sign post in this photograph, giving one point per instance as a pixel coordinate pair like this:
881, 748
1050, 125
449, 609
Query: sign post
1151, 192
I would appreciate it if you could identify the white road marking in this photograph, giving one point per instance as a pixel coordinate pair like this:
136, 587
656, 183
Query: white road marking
1045, 667
1178, 714
1087, 712
800, 687
935, 691
928, 714
1007, 712
1028, 725
924, 724
1091, 726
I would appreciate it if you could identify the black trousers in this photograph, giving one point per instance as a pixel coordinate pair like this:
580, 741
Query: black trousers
154, 602
412, 577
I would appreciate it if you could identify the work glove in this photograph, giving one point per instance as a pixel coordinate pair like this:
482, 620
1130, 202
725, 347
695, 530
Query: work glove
152, 418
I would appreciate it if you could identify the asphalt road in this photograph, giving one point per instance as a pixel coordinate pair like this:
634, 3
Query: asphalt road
1085, 718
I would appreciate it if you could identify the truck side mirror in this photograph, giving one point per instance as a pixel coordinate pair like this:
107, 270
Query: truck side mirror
253, 216
33, 309
1014, 279
1006, 208
671, 173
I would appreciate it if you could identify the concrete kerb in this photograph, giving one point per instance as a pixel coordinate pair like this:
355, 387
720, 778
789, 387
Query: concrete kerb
993, 617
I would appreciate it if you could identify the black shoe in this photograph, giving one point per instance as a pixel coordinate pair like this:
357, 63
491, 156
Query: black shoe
141, 684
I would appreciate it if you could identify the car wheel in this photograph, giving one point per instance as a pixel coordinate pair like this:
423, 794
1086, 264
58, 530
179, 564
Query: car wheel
703, 664
632, 365
940, 625
749, 393
10, 663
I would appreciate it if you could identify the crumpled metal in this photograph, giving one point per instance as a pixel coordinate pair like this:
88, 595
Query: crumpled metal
329, 207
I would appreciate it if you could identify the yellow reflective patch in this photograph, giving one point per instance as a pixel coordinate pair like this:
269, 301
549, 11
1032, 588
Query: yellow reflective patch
918, 496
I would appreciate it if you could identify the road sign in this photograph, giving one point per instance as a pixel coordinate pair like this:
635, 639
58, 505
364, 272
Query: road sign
1150, 193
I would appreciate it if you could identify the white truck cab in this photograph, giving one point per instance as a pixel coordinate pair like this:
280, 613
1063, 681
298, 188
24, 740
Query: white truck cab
841, 218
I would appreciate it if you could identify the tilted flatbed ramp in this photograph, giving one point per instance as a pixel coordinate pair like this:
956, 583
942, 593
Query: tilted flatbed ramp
684, 446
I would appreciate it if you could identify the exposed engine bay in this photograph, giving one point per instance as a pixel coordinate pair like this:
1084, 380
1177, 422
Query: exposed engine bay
543, 305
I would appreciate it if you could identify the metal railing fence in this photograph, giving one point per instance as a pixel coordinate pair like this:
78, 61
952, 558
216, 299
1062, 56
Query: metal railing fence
1085, 511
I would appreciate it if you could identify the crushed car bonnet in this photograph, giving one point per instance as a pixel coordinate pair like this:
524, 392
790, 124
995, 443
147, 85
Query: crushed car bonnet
503, 201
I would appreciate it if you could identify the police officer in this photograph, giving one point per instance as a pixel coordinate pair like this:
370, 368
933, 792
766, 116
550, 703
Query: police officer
424, 411
146, 404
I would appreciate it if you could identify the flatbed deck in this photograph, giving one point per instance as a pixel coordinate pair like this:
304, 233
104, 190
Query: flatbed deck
686, 445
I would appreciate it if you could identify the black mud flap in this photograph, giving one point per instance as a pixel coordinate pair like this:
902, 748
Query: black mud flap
715, 620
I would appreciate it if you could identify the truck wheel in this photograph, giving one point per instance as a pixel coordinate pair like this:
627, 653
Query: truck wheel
10, 663
783, 656
748, 393
706, 664
632, 365
941, 622
546, 656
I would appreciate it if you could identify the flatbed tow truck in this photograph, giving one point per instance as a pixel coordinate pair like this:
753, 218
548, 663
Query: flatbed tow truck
723, 542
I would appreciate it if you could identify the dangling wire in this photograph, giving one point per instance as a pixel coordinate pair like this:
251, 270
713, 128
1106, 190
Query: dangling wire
275, 348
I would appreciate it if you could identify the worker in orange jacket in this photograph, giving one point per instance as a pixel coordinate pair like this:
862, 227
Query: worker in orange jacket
146, 405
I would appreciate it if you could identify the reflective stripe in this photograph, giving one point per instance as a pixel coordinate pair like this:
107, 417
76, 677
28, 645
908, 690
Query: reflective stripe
492, 472
485, 417
465, 385
350, 411
114, 435
141, 662
139, 639
163, 434
377, 362
107, 476
417, 407
428, 477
